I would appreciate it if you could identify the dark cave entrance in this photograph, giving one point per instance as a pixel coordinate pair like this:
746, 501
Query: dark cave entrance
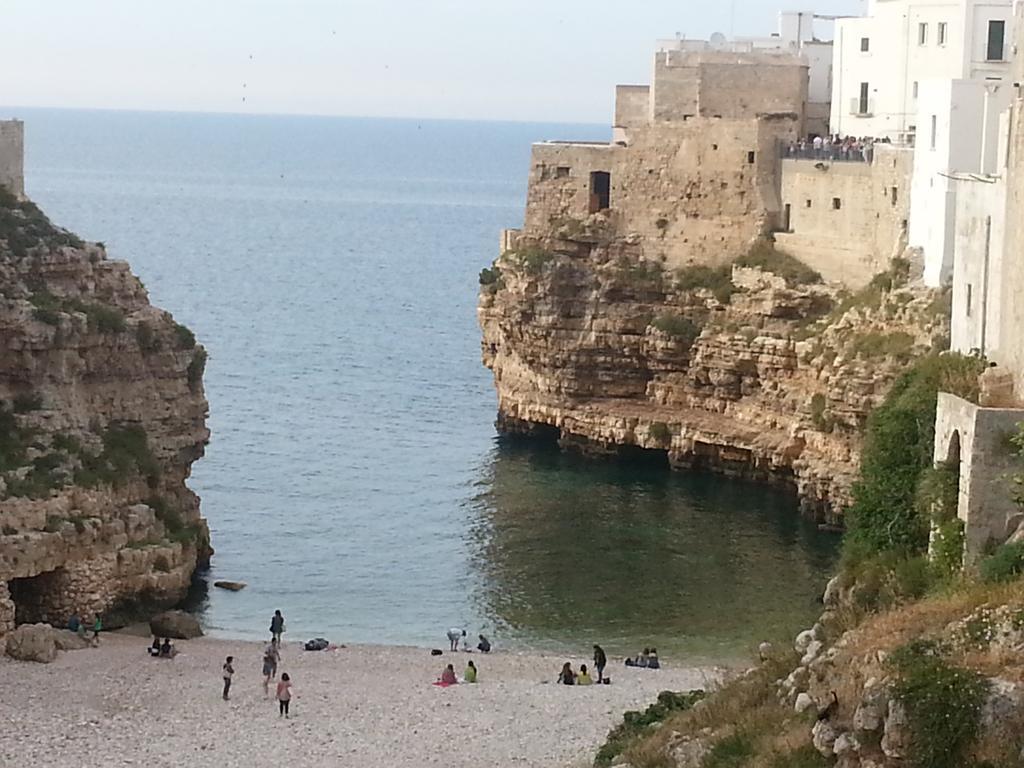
36, 598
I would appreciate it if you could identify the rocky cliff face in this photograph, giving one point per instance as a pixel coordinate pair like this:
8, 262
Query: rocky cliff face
102, 414
757, 370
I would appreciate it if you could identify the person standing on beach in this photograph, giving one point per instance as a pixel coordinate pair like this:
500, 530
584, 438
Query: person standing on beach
454, 635
600, 662
97, 627
284, 694
277, 625
229, 670
271, 657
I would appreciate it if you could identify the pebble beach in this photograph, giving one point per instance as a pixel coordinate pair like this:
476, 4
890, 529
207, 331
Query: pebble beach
353, 706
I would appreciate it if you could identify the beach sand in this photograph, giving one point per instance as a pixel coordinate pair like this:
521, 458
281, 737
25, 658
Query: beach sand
356, 706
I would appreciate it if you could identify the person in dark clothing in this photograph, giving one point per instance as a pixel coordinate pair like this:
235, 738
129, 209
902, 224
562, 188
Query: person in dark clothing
600, 661
277, 625
567, 676
484, 646
229, 670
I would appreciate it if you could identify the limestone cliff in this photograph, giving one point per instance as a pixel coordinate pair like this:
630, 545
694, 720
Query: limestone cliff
735, 368
102, 414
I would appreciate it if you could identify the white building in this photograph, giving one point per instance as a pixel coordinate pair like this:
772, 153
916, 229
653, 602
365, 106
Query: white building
956, 154
796, 35
881, 60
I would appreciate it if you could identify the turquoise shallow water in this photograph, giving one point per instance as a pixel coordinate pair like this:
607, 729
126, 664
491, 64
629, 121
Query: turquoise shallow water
355, 479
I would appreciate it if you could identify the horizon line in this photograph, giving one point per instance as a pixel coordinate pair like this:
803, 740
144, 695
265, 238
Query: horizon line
4, 108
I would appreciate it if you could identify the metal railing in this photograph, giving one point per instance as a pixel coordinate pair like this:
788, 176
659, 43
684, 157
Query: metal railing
829, 152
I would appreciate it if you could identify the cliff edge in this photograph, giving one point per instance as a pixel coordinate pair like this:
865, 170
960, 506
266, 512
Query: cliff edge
102, 414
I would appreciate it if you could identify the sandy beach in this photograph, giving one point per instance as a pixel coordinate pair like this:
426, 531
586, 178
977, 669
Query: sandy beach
355, 706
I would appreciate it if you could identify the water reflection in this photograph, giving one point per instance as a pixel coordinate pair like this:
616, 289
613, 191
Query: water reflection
570, 551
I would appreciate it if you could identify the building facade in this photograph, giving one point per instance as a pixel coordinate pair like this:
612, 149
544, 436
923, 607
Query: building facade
881, 60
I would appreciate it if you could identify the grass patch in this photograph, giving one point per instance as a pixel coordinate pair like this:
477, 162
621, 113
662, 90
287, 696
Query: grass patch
640, 273
101, 318
803, 757
717, 280
635, 724
943, 704
1003, 565
24, 228
734, 751
763, 255
125, 454
532, 259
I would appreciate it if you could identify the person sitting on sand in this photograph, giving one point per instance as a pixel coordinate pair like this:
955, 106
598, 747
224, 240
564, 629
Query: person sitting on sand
469, 675
454, 635
448, 676
74, 622
154, 649
484, 646
583, 678
167, 650
652, 660
567, 676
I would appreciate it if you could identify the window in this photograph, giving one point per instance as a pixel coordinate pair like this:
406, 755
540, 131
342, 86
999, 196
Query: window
922, 34
865, 44
807, 204
935, 130
750, 157
836, 203
893, 197
970, 291
941, 33
862, 103
562, 172
914, 89
996, 35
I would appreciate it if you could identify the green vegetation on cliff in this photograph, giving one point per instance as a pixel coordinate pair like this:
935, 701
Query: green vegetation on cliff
23, 228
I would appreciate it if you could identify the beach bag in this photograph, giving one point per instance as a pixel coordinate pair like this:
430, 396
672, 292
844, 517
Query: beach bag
436, 652
316, 644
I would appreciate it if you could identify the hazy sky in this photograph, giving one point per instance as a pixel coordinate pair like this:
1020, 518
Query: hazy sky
547, 60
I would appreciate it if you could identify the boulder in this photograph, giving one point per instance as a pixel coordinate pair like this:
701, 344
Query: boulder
812, 651
233, 586
846, 743
824, 737
32, 642
66, 640
176, 624
896, 740
870, 713
803, 702
832, 593
803, 640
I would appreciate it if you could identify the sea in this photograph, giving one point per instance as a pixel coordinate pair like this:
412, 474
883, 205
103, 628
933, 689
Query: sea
354, 478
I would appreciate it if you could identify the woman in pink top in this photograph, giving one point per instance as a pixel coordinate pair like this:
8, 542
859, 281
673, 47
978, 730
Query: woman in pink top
284, 693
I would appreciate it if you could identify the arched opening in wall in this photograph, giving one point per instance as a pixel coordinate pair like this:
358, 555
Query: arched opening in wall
39, 598
941, 489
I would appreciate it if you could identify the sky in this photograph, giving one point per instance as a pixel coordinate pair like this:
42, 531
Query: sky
530, 60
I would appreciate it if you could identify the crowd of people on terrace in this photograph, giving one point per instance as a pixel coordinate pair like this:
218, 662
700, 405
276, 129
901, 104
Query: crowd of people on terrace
834, 148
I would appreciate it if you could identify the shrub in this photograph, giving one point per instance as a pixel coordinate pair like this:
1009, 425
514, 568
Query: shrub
640, 273
763, 255
943, 705
717, 280
195, 370
147, 338
104, 319
25, 403
1005, 564
660, 432
125, 454
947, 551
634, 724
490, 275
183, 337
682, 328
67, 443
533, 259
12, 441
898, 448
873, 345
731, 752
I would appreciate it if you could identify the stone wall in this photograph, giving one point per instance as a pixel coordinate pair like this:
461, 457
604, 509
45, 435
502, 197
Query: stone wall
724, 84
632, 106
693, 192
856, 240
974, 439
12, 156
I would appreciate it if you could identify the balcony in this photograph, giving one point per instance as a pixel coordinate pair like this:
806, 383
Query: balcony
862, 107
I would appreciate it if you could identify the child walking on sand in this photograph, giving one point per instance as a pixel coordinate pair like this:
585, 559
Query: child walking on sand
284, 694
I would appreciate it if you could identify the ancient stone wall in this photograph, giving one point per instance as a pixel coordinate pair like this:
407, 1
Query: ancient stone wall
846, 219
12, 156
723, 84
692, 192
632, 106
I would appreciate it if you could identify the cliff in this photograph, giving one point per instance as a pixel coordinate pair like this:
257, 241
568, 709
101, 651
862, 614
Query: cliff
755, 368
102, 414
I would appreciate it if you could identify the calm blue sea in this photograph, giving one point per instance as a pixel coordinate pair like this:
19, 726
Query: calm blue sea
354, 478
